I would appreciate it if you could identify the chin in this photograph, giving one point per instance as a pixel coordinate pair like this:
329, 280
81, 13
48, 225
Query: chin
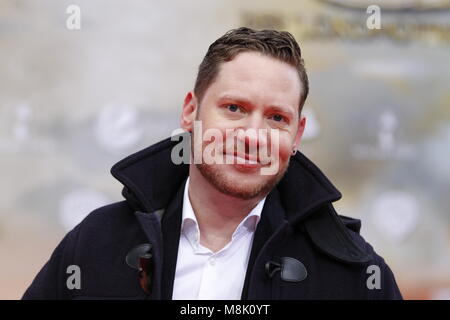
242, 185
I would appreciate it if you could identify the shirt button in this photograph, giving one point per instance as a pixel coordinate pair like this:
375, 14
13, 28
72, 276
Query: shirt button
212, 261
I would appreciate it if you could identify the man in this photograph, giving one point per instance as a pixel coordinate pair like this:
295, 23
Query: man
248, 217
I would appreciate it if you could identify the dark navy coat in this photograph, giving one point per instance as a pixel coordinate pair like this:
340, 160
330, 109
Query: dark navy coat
298, 221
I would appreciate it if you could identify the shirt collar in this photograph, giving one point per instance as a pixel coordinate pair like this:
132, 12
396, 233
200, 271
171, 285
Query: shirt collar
189, 225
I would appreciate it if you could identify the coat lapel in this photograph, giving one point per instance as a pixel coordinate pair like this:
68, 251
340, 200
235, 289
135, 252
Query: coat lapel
150, 223
270, 227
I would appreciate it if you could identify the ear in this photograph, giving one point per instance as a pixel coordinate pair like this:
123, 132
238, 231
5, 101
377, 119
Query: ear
189, 112
300, 130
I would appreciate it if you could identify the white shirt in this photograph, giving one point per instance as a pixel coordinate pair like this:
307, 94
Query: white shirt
205, 275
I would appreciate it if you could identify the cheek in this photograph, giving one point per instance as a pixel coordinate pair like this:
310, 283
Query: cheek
212, 120
284, 147
285, 153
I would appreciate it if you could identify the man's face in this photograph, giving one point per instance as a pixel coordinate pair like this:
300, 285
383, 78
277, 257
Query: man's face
253, 92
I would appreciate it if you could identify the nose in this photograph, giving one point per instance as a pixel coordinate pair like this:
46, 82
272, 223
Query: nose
253, 133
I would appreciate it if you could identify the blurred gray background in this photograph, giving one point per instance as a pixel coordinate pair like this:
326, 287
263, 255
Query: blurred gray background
75, 101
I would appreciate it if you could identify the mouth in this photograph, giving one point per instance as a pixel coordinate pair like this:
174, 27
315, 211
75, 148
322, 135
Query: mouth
243, 161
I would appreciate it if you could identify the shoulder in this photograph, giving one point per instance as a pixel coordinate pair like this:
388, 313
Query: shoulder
381, 282
101, 231
353, 228
105, 224
94, 246
339, 238
115, 211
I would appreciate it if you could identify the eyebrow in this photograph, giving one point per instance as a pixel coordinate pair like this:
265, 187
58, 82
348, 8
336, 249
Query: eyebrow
285, 110
245, 101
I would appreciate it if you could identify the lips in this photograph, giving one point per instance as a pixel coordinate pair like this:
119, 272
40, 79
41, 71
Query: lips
243, 160
248, 158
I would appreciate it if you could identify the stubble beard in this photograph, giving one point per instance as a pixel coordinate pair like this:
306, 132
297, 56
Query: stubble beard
219, 180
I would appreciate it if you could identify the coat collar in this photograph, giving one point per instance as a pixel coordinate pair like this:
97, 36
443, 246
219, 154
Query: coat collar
151, 180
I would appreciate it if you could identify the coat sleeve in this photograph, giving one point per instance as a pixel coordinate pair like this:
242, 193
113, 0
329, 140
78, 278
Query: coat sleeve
49, 283
389, 289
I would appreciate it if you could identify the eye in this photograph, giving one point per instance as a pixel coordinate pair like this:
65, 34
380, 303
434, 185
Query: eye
233, 107
278, 118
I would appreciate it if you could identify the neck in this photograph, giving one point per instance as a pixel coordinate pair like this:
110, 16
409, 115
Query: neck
218, 214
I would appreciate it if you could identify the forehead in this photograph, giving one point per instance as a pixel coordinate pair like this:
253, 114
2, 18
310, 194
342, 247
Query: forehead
258, 77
